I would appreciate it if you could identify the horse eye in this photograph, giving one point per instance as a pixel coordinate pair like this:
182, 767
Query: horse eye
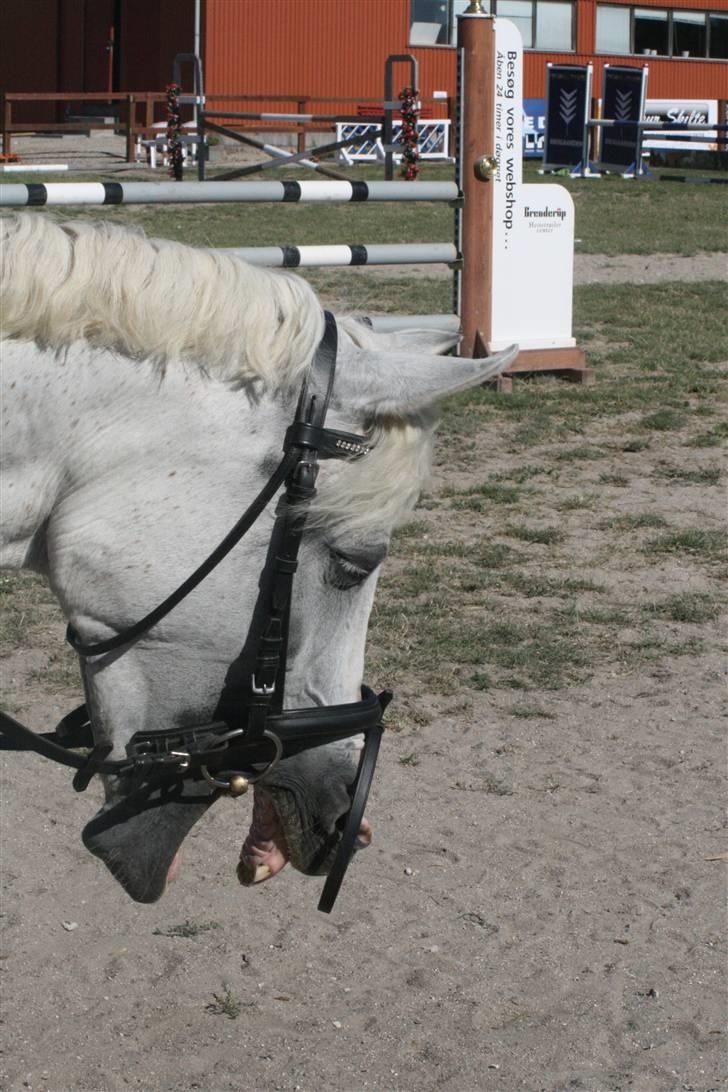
346, 570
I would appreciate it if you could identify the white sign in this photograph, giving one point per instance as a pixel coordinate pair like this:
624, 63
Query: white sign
533, 225
686, 112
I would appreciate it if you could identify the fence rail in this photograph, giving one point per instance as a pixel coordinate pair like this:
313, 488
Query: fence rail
132, 126
129, 122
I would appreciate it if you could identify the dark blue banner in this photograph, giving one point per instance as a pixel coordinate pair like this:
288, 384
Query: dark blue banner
567, 111
623, 98
534, 118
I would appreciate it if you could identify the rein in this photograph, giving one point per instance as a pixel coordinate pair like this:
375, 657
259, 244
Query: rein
228, 754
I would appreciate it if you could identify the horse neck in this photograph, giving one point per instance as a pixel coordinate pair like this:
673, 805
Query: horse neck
79, 418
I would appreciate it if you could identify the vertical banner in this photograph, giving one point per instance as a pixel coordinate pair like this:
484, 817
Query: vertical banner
568, 101
534, 119
623, 101
533, 225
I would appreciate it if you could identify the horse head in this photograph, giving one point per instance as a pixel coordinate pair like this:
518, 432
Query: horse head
150, 387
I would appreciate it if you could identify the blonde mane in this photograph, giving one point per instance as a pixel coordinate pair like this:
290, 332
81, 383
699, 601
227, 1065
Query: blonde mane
164, 301
154, 299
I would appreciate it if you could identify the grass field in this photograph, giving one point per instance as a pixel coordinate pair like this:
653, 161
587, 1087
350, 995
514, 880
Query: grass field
584, 526
613, 216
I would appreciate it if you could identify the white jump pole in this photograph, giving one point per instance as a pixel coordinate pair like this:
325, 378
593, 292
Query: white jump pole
156, 193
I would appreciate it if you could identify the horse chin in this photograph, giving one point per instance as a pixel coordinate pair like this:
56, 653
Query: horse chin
138, 837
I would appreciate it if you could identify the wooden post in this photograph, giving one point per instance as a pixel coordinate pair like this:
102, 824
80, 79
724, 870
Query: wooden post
301, 129
475, 141
7, 122
130, 127
476, 166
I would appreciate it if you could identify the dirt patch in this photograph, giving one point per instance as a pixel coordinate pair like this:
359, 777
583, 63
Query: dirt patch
598, 269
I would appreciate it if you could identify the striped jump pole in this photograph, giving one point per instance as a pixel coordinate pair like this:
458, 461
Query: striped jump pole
158, 193
294, 257
665, 126
249, 116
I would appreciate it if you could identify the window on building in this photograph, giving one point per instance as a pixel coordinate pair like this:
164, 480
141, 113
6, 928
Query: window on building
430, 22
544, 24
689, 37
554, 25
519, 12
613, 29
651, 31
458, 7
718, 36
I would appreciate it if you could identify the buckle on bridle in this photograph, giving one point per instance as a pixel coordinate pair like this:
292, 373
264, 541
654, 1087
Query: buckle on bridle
237, 784
266, 690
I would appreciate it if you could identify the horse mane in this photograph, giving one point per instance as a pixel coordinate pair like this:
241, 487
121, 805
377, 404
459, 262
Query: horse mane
163, 301
154, 299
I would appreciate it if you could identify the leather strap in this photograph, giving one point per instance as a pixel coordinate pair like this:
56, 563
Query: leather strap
350, 833
221, 551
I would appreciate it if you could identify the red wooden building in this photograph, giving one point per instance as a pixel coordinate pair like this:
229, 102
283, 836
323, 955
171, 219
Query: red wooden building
337, 49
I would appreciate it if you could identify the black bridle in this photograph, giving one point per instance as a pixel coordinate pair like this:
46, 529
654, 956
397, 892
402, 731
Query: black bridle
232, 753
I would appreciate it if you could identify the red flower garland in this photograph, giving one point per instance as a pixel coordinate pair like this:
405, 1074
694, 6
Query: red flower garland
410, 111
174, 131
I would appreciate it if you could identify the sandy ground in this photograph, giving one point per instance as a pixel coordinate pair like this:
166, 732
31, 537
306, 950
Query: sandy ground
541, 909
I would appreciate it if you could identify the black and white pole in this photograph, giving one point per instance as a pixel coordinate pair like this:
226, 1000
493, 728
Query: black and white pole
294, 257
156, 193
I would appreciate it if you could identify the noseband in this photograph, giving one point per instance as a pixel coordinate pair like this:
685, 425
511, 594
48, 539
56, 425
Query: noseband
234, 753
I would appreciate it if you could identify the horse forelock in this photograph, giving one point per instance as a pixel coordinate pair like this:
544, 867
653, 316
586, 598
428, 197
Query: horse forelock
378, 491
153, 299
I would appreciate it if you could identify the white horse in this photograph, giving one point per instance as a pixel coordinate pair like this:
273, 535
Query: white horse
147, 389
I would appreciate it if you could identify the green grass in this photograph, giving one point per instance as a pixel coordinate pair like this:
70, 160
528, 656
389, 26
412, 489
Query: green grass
226, 1003
709, 544
714, 437
664, 420
530, 712
577, 501
544, 536
694, 607
704, 475
635, 444
584, 451
538, 586
489, 491
659, 366
634, 522
619, 480
25, 604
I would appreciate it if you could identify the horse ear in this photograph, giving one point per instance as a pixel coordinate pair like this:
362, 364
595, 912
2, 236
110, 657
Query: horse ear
432, 340
398, 384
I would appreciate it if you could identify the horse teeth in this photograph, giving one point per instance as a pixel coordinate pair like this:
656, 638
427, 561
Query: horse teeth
249, 874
